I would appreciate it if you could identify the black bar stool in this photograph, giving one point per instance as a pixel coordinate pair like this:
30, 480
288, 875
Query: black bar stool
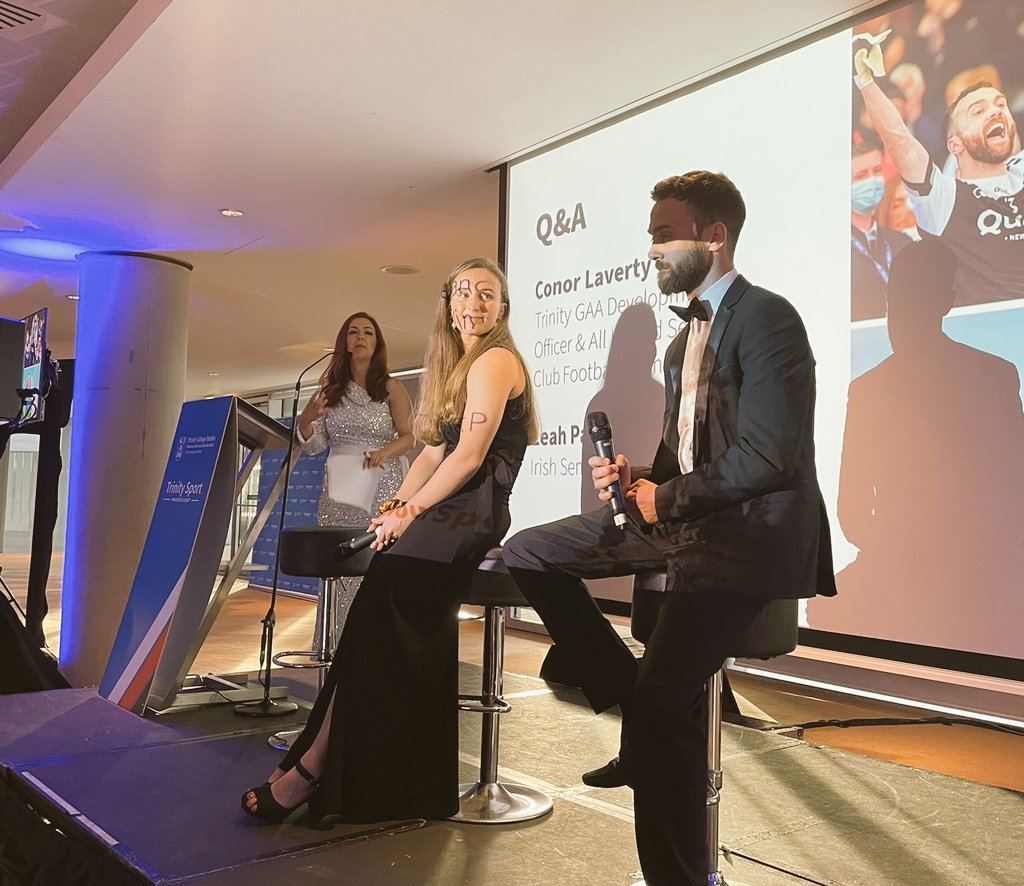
774, 632
489, 801
308, 551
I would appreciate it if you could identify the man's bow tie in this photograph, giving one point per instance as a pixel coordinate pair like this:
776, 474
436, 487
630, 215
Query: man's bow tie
695, 310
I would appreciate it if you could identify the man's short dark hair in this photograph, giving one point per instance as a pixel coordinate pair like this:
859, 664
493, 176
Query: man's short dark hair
713, 197
947, 118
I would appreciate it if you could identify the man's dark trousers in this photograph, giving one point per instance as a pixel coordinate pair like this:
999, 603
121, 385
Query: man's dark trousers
662, 696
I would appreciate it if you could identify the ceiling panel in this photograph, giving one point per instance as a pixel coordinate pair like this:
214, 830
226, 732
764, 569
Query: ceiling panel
352, 137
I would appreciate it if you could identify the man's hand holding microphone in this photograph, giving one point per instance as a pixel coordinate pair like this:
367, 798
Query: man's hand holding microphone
610, 476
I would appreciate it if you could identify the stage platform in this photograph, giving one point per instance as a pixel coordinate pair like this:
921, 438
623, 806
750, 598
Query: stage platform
92, 794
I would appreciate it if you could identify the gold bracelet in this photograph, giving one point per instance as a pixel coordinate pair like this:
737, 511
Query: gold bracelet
390, 505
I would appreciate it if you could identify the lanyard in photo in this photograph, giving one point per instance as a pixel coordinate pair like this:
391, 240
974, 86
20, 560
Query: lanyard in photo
883, 269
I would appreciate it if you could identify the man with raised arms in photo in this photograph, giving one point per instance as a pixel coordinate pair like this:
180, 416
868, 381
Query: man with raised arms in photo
978, 212
730, 510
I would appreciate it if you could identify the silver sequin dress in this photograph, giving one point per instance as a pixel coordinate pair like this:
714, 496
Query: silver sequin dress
357, 420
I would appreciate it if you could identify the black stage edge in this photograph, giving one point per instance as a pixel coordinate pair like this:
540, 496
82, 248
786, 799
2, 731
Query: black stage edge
91, 795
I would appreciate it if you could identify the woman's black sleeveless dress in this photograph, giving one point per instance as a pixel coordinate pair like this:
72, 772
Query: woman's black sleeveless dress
394, 740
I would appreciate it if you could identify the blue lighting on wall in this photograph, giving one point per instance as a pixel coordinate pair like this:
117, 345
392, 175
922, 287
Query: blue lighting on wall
51, 245
36, 247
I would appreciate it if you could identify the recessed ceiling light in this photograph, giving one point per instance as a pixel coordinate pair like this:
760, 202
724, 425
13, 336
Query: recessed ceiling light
214, 374
71, 297
400, 270
232, 213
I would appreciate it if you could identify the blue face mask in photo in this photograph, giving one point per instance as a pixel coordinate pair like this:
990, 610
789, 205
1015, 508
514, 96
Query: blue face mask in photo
867, 193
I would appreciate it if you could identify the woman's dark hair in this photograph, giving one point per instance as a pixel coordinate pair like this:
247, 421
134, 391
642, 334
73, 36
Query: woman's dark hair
338, 374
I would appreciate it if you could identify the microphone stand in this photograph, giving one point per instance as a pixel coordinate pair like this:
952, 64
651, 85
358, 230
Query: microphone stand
266, 706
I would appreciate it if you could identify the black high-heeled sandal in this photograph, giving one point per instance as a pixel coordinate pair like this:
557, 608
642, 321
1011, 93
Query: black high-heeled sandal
267, 808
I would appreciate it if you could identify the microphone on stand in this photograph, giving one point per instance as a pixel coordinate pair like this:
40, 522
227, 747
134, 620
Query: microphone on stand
266, 706
601, 436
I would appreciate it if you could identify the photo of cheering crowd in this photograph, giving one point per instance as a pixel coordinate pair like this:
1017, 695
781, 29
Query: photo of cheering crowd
935, 147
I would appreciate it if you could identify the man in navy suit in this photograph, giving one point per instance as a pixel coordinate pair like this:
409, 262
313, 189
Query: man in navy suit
731, 509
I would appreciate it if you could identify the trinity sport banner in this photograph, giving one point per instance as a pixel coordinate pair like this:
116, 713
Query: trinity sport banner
163, 568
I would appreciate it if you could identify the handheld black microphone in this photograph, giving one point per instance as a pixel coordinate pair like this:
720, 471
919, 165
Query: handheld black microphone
354, 545
601, 436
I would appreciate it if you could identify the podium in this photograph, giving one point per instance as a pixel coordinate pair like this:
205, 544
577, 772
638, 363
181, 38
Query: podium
176, 596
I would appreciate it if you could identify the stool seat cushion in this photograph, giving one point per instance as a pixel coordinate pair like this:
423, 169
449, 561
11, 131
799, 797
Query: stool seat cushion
774, 632
492, 585
309, 551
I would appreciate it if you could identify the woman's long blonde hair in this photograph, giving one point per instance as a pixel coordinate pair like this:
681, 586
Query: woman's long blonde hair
443, 388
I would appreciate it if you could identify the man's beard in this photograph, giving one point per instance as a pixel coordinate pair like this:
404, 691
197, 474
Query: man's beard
687, 272
979, 149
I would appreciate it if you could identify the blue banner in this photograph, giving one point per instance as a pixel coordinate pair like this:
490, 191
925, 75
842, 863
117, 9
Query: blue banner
304, 489
165, 558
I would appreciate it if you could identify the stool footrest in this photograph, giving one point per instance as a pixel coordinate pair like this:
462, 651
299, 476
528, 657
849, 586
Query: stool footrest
500, 803
475, 704
314, 659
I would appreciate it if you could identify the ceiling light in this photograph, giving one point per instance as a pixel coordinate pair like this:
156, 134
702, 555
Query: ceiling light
400, 270
214, 374
35, 247
71, 297
232, 213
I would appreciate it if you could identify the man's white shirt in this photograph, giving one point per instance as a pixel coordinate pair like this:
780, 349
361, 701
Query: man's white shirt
696, 342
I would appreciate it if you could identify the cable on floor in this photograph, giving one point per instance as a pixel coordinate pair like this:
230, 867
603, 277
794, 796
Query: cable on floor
909, 721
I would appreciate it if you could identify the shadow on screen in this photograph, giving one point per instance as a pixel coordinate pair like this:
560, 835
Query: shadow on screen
631, 398
931, 487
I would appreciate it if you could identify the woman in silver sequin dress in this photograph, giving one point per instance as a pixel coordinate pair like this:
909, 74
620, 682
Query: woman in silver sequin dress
362, 413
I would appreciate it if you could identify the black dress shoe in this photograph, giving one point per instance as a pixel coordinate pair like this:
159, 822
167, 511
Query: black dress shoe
614, 774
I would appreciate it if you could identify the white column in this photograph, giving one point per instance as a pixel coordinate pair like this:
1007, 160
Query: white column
130, 353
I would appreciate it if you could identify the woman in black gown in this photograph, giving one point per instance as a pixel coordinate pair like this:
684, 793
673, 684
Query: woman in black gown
382, 739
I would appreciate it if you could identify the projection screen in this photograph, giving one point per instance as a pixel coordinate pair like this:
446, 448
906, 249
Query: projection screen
920, 450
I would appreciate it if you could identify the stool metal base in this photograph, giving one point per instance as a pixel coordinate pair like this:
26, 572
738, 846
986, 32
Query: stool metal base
500, 803
283, 741
316, 659
713, 880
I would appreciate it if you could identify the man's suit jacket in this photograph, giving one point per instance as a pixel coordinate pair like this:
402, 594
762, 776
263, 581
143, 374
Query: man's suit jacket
751, 512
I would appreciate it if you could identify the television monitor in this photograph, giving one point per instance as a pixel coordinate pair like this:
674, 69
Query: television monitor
33, 372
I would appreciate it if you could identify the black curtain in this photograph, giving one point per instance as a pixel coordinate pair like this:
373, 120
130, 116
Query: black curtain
24, 665
55, 417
